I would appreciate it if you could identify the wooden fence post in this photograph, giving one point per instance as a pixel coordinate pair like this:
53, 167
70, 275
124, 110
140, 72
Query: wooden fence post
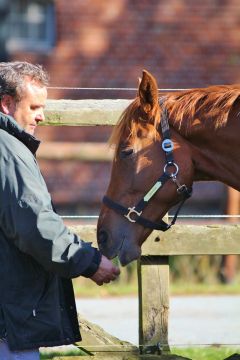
153, 285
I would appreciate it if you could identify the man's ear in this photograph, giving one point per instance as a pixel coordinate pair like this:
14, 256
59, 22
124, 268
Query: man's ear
8, 104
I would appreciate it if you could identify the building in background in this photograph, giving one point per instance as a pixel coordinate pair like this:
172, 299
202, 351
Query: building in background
106, 44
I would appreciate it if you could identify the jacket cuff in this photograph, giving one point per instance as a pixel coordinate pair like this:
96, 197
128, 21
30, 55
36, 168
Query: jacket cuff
93, 267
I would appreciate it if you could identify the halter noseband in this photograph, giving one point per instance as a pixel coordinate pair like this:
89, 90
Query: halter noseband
134, 214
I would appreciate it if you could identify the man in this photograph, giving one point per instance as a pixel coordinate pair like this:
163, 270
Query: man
38, 254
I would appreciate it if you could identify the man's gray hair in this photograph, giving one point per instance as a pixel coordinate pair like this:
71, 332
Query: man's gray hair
13, 76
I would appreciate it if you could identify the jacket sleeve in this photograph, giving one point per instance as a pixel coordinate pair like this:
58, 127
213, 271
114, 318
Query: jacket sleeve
28, 221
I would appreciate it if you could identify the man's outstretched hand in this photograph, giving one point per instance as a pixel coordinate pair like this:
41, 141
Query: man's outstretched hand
106, 272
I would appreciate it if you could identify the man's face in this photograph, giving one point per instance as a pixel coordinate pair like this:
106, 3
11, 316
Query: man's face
28, 112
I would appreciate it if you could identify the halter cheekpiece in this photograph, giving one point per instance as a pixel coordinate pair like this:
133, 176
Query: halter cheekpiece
170, 172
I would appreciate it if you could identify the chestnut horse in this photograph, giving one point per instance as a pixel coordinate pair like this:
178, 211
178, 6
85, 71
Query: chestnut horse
162, 145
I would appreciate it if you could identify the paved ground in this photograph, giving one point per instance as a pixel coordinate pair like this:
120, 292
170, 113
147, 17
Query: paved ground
195, 320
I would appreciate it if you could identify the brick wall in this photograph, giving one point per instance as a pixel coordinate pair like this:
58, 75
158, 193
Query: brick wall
108, 43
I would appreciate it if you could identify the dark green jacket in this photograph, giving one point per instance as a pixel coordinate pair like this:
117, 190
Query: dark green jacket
38, 254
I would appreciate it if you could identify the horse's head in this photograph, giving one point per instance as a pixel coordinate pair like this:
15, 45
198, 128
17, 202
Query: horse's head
148, 171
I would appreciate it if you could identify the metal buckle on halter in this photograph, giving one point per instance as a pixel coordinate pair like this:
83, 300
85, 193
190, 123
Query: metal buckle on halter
132, 211
181, 189
179, 186
167, 145
173, 174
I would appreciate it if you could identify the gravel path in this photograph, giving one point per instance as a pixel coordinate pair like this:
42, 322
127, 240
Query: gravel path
193, 320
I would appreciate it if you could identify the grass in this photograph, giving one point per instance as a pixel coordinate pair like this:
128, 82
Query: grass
86, 288
207, 353
196, 353
48, 355
185, 288
53, 354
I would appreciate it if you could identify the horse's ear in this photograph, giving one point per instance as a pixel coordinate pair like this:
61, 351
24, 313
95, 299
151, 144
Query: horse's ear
148, 92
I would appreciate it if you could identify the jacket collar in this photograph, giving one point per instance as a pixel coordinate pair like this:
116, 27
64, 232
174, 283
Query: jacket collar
8, 124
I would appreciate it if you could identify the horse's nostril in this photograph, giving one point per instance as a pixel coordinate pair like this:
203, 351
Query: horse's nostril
102, 237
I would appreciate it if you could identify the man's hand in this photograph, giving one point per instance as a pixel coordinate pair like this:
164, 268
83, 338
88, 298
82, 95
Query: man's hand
106, 272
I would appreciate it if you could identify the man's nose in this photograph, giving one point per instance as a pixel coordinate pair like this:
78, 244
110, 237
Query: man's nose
40, 116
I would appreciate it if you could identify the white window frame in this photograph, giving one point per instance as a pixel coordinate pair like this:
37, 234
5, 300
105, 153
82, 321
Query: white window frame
29, 19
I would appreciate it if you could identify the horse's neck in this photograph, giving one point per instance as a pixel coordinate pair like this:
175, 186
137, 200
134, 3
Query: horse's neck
216, 153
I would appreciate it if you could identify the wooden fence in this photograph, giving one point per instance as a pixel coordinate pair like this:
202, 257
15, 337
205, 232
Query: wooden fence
153, 267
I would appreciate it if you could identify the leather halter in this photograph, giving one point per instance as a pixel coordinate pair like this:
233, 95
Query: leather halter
134, 214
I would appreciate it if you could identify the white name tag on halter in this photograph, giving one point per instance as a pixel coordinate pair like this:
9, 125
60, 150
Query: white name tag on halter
153, 190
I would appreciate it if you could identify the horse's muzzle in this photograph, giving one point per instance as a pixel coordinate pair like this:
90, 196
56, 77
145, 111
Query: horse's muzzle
105, 244
120, 248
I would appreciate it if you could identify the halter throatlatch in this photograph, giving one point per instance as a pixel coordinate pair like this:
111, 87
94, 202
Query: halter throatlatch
170, 171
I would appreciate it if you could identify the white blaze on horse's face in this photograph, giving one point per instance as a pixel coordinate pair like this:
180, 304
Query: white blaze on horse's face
141, 153
143, 164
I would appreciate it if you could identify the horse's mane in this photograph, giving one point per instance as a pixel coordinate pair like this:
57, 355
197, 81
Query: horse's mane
213, 103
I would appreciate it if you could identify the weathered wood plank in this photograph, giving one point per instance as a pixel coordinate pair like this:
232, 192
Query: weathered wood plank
75, 151
96, 340
153, 285
195, 240
84, 112
86, 232
183, 240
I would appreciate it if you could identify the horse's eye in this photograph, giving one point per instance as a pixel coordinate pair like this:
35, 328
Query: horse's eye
125, 153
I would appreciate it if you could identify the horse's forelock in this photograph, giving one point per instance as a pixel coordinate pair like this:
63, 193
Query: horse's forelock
129, 122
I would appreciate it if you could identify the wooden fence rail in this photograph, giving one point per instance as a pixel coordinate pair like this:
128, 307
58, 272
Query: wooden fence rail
84, 112
153, 267
182, 240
